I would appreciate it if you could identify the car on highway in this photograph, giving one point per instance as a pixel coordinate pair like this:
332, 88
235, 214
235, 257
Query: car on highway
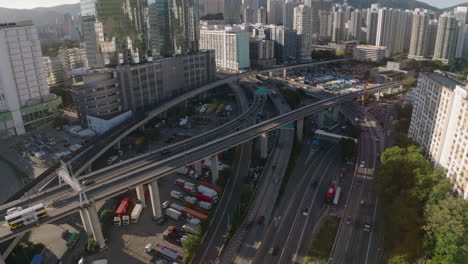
165, 152
87, 182
348, 220
363, 163
305, 212
367, 227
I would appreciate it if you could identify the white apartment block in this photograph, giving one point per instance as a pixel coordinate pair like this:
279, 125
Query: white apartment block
394, 29
369, 53
303, 26
231, 45
439, 124
23, 79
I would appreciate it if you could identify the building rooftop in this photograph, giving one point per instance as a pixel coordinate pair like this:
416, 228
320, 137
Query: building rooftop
445, 81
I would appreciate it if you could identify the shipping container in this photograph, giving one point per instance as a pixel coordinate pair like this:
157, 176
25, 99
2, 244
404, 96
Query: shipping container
192, 213
203, 197
207, 191
136, 213
190, 199
176, 206
122, 209
180, 182
173, 213
205, 205
215, 187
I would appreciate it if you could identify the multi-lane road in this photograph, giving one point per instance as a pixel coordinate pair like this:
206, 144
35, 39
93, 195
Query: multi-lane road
66, 202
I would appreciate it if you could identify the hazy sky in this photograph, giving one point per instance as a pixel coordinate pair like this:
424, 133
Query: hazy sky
45, 3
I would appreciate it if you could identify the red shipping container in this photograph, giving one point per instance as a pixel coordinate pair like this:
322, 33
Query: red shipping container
203, 197
122, 209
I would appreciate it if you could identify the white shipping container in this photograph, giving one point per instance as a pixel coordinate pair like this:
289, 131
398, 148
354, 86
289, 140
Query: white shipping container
204, 205
207, 191
176, 206
189, 185
136, 213
172, 213
194, 222
190, 199
190, 229
176, 195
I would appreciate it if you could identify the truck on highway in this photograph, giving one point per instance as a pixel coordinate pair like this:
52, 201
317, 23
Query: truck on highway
331, 192
173, 214
120, 214
337, 196
136, 212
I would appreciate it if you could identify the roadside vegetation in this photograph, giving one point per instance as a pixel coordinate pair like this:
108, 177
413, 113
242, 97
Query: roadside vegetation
293, 97
347, 150
323, 241
24, 253
191, 245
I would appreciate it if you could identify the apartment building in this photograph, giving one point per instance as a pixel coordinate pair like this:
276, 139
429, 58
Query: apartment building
439, 124
369, 53
24, 93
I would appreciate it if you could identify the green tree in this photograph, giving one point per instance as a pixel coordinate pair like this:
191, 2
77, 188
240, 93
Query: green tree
410, 82
190, 247
92, 246
447, 230
24, 252
398, 259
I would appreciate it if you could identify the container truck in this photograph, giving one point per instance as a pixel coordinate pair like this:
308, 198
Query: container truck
203, 197
196, 208
193, 222
190, 199
217, 188
205, 205
136, 212
173, 214
163, 252
121, 211
331, 192
177, 195
176, 206
190, 213
190, 229
207, 191
180, 182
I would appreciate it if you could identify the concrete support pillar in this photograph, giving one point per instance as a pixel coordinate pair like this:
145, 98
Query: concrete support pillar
2, 261
140, 191
362, 100
285, 73
198, 167
263, 146
271, 74
95, 225
299, 129
155, 200
86, 224
214, 168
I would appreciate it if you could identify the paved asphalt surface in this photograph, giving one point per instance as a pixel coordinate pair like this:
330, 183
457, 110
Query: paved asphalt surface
214, 238
67, 202
353, 244
248, 236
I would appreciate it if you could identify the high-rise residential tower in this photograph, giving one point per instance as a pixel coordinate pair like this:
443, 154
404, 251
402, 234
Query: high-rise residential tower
355, 26
232, 11
392, 29
303, 27
338, 28
447, 35
275, 12
419, 47
371, 24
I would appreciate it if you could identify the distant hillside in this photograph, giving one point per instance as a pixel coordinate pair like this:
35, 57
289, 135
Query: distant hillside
402, 4
39, 16
452, 7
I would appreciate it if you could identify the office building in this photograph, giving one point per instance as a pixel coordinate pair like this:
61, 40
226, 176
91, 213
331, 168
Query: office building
24, 94
326, 22
420, 37
288, 14
170, 36
262, 15
303, 27
262, 53
446, 40
231, 45
232, 11
275, 12
285, 43
355, 25
371, 24
393, 29
369, 53
439, 125
107, 93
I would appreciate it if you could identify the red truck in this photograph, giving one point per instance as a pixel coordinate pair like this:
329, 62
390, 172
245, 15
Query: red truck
203, 197
120, 214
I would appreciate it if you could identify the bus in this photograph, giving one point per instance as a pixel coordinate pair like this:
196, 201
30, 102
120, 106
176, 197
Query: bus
331, 192
18, 217
337, 196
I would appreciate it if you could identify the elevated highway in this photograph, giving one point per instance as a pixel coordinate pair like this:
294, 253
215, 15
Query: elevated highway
66, 202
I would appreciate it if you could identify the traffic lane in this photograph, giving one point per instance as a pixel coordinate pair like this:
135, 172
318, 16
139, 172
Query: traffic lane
216, 234
267, 192
314, 200
237, 138
290, 208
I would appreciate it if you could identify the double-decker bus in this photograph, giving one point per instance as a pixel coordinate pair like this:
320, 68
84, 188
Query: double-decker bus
18, 217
